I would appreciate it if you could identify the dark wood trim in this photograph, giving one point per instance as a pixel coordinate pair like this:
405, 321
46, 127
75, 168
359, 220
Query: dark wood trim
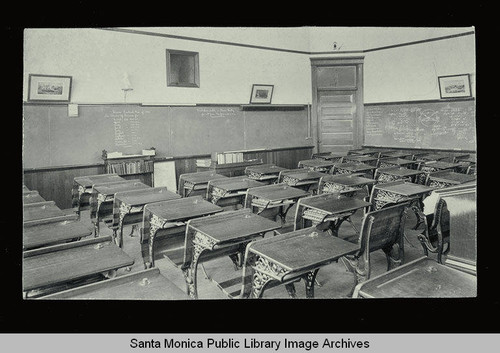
422, 101
164, 35
255, 107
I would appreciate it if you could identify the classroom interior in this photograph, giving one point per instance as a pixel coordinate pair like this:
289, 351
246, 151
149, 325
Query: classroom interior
227, 163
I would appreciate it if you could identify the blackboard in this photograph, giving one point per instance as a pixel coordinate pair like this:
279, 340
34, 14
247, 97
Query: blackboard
53, 139
429, 125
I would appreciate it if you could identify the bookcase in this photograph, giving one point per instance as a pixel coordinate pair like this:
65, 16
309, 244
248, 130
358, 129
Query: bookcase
135, 166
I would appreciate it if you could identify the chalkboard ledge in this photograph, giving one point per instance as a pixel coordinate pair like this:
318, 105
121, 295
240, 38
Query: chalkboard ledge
272, 107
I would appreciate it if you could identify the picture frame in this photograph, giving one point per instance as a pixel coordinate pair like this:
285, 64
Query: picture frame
454, 86
261, 94
49, 88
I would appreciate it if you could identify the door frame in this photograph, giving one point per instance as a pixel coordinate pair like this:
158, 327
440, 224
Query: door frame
358, 121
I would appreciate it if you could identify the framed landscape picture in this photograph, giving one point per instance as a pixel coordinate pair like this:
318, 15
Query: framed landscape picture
261, 93
454, 86
49, 88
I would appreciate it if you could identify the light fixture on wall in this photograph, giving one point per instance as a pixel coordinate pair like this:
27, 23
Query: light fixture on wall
126, 86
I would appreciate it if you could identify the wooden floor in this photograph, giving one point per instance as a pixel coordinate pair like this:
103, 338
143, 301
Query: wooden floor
334, 281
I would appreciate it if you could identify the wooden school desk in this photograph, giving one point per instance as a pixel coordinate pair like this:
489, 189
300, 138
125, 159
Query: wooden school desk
101, 200
434, 166
445, 178
273, 200
266, 173
385, 162
53, 233
82, 188
361, 158
25, 189
147, 284
432, 157
353, 167
44, 212
289, 257
226, 233
368, 152
345, 182
234, 169
331, 156
322, 208
420, 278
396, 154
129, 205
55, 267
32, 197
164, 226
317, 164
301, 178
230, 191
384, 175
191, 184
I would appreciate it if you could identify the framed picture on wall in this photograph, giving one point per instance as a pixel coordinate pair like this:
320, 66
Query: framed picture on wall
49, 88
454, 86
261, 94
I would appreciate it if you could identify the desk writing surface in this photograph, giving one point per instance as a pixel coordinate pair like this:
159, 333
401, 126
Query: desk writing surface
421, 278
303, 174
265, 169
354, 166
332, 205
184, 208
25, 189
398, 171
201, 177
302, 249
233, 226
89, 180
348, 179
277, 192
441, 165
407, 189
147, 284
111, 189
396, 160
82, 259
360, 158
235, 183
364, 151
32, 197
450, 176
396, 154
317, 162
41, 210
53, 233
145, 195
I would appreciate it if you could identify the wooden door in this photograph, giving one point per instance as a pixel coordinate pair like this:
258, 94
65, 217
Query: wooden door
337, 104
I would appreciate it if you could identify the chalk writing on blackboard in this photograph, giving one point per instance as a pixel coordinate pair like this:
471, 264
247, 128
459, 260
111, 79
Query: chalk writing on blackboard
127, 126
216, 112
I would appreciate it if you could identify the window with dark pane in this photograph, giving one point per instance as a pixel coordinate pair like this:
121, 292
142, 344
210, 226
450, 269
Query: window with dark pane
182, 68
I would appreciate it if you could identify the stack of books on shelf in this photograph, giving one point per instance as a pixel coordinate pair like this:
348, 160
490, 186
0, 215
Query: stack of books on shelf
227, 157
131, 167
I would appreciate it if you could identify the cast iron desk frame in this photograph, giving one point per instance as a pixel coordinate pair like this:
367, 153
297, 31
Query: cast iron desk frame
345, 183
316, 164
230, 188
302, 178
353, 168
395, 173
190, 182
446, 178
267, 173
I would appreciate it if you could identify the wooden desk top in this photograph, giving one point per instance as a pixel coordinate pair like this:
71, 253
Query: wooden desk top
451, 177
470, 158
277, 192
302, 250
32, 197
348, 180
433, 157
147, 284
201, 177
264, 169
367, 151
303, 174
397, 160
53, 233
396, 154
317, 162
355, 166
330, 155
405, 188
111, 189
239, 183
441, 165
25, 189
360, 158
89, 180
41, 210
143, 196
232, 227
397, 171
66, 262
420, 278
181, 209
333, 205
